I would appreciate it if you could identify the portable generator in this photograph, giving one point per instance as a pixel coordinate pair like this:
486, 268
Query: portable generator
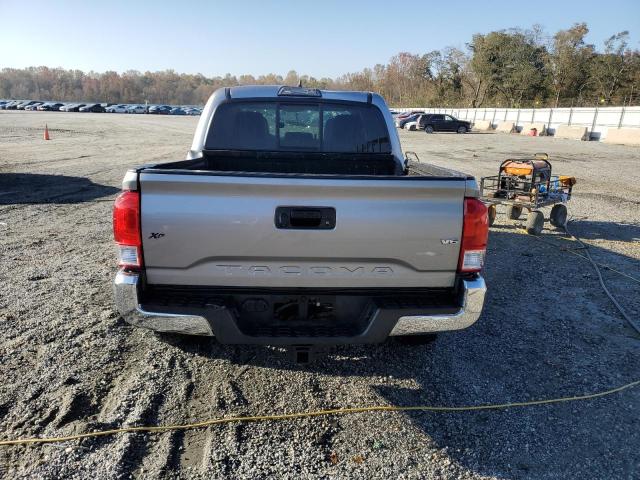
528, 183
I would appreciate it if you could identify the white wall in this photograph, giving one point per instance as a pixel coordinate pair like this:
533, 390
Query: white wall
597, 120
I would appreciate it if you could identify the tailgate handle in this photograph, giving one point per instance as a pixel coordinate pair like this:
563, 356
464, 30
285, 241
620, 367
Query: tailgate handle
306, 218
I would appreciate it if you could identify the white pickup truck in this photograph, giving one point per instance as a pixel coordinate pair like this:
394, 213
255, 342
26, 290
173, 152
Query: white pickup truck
297, 220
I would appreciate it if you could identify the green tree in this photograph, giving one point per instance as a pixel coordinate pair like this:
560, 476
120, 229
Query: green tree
568, 62
511, 64
611, 69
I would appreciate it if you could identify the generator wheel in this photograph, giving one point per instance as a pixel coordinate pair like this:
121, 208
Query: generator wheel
535, 222
492, 212
558, 216
514, 211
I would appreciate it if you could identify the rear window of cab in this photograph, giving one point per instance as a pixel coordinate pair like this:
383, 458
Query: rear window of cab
294, 126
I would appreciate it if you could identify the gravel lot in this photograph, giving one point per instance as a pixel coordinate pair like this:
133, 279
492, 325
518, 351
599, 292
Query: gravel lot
70, 365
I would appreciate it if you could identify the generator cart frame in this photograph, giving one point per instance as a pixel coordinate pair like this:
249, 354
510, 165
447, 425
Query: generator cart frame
531, 187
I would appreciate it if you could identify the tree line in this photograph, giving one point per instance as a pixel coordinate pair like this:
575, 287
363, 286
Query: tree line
510, 68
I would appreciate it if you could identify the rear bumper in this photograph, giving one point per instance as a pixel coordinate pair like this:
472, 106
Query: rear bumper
218, 320
472, 300
126, 288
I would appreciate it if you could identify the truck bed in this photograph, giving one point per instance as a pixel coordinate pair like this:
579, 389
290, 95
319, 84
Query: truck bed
298, 164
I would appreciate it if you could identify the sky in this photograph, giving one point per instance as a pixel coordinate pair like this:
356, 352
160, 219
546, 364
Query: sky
324, 38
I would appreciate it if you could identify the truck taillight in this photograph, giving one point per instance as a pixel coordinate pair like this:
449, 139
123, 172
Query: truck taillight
475, 231
126, 229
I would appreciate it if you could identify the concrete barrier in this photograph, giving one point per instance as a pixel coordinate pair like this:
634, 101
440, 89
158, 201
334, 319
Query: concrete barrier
482, 125
506, 127
572, 132
624, 136
540, 127
597, 119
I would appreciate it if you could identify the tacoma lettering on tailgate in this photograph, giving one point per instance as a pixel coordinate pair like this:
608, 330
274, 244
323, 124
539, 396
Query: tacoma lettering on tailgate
295, 270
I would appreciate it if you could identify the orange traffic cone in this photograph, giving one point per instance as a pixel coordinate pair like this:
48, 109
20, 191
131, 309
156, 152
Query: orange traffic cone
46, 132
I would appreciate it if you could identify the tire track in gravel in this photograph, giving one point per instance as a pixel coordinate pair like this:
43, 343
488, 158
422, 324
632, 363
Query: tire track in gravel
211, 396
206, 391
135, 398
155, 388
165, 449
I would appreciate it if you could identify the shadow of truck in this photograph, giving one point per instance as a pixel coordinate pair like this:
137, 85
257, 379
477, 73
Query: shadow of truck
35, 188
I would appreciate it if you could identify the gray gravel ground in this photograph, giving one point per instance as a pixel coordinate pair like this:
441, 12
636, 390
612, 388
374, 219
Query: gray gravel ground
70, 365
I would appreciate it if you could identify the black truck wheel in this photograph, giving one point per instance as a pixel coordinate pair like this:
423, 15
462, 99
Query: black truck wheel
558, 217
428, 129
462, 129
514, 211
535, 222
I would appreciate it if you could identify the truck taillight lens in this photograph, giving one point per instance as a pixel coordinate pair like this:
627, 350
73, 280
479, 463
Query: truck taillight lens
126, 229
475, 231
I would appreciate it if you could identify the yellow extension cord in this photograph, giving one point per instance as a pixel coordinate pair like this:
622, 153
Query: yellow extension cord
318, 413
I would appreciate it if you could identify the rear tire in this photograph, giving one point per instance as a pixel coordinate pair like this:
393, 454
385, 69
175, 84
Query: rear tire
535, 222
462, 129
428, 129
558, 217
514, 212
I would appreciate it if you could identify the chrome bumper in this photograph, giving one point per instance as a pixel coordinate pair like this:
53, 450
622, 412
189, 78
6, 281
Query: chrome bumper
128, 305
472, 302
126, 294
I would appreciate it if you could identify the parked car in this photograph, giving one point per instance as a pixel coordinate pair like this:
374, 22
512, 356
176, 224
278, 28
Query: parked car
122, 108
92, 107
13, 105
400, 121
412, 125
25, 104
136, 109
408, 114
264, 236
437, 122
33, 106
193, 111
160, 109
72, 107
177, 111
50, 107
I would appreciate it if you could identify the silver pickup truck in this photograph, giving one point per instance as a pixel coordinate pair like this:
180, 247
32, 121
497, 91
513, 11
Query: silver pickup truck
297, 220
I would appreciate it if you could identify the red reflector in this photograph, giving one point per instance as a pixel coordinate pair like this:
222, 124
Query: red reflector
126, 229
475, 232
